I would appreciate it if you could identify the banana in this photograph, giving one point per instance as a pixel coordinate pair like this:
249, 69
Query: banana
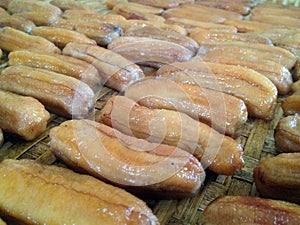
69, 66
238, 210
278, 177
60, 94
257, 91
116, 71
13, 40
21, 115
143, 50
61, 37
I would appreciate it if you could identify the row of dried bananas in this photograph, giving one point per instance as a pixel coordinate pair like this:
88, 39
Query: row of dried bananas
158, 138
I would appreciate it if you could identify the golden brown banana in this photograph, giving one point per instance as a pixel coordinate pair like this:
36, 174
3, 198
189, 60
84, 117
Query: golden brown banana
143, 50
61, 37
291, 104
72, 198
284, 21
164, 35
277, 34
277, 73
236, 7
148, 169
71, 4
253, 51
60, 94
236, 210
90, 16
193, 14
275, 12
129, 12
16, 22
116, 71
257, 91
244, 26
103, 33
291, 43
278, 177
202, 35
19, 6
220, 153
136, 7
69, 66
287, 135
40, 18
201, 9
190, 25
21, 115
223, 112
163, 3
13, 40
129, 24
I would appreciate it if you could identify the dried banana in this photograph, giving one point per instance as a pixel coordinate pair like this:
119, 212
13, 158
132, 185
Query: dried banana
291, 104
134, 164
60, 94
116, 71
164, 35
69, 66
19, 6
202, 35
143, 50
252, 51
163, 3
130, 24
284, 21
236, 7
257, 91
71, 4
244, 26
61, 37
278, 177
275, 12
40, 18
193, 14
277, 73
21, 115
90, 16
12, 40
236, 210
223, 112
71, 198
287, 135
190, 25
220, 153
16, 22
201, 9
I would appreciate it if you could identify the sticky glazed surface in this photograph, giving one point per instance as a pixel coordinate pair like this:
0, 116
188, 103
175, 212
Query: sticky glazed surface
250, 210
23, 116
237, 81
70, 197
220, 153
126, 161
287, 136
275, 177
223, 112
61, 94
